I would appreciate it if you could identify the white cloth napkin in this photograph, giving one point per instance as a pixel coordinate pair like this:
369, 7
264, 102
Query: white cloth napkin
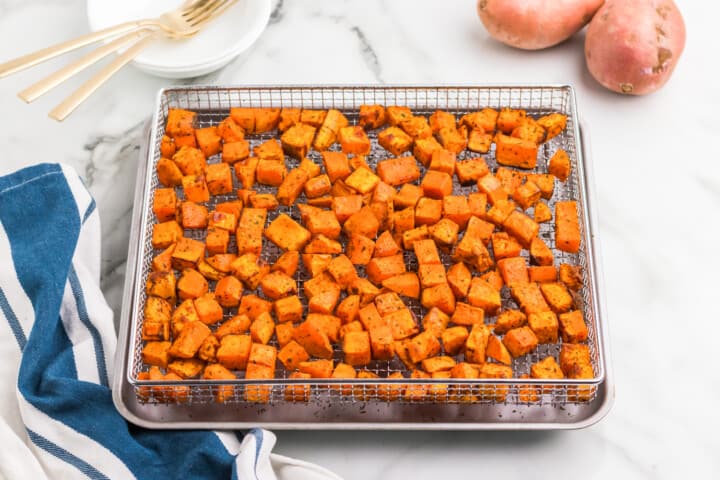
57, 345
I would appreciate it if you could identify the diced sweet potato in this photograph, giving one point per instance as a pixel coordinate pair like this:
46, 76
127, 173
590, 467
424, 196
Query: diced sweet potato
521, 227
360, 249
372, 116
286, 233
313, 339
542, 274
228, 291
237, 325
571, 276
296, 140
317, 368
452, 139
398, 171
423, 346
476, 343
492, 187
191, 284
572, 327
479, 141
353, 139
459, 277
262, 328
258, 393
165, 234
440, 296
520, 341
276, 285
156, 353
497, 351
288, 309
234, 351
485, 119
356, 346
545, 326
567, 227
292, 354
557, 296
542, 212
484, 295
208, 309
363, 222
402, 323
500, 211
216, 371
431, 275
191, 337
546, 368
362, 180
328, 131
529, 297
187, 253
208, 140
395, 140
467, 314
526, 195
553, 123
413, 235
453, 339
508, 320
381, 268
545, 182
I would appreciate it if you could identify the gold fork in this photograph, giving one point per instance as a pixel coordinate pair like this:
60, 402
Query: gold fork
182, 22
204, 13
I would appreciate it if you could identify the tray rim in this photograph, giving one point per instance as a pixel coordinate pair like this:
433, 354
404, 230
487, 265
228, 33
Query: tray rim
605, 394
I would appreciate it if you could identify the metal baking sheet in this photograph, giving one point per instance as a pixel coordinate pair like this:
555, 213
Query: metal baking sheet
328, 408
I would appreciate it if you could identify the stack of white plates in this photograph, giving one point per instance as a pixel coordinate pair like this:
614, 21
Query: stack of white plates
215, 46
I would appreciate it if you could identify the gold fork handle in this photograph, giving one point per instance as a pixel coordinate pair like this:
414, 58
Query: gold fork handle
40, 88
68, 105
32, 59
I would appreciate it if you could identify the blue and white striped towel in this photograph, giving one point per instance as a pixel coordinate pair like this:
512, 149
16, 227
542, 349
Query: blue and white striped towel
57, 345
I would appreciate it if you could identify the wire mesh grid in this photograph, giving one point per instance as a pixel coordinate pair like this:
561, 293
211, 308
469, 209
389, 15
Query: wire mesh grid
212, 105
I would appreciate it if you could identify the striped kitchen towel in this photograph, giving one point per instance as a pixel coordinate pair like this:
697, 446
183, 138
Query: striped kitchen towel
57, 345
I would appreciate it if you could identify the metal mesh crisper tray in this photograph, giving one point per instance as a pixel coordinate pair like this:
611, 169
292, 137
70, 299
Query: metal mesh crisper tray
212, 105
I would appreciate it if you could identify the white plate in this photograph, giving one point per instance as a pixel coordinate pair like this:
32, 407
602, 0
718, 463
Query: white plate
215, 46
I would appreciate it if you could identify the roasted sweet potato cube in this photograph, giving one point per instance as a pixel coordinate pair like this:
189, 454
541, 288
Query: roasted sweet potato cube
328, 132
484, 295
165, 234
476, 343
557, 296
316, 263
195, 189
541, 212
216, 371
191, 161
161, 284
262, 328
395, 140
388, 302
353, 139
545, 326
515, 152
342, 270
438, 363
431, 275
401, 350
317, 186
402, 323
187, 253
156, 353
452, 139
440, 296
505, 246
186, 367
261, 354
572, 327
258, 393
428, 211
381, 268
521, 227
180, 122
284, 333
237, 325
499, 212
208, 349
246, 267
156, 319
228, 291
244, 117
440, 119
313, 117
453, 339
185, 141
363, 222
510, 178
362, 180
191, 337
292, 354
313, 339
230, 131
573, 356
317, 284
169, 175
286, 233
424, 149
477, 203
459, 277
317, 368
191, 284
356, 347
479, 141
485, 119
406, 284
296, 140
416, 127
233, 152
444, 232
208, 309
492, 187
324, 222
529, 297
372, 116
471, 170
437, 184
542, 274
571, 276
288, 118
381, 341
276, 285
162, 261
527, 195
165, 204
513, 270
426, 252
398, 171
360, 249
292, 186
553, 123
397, 114
455, 207
508, 320
325, 301
193, 215
234, 351
465, 314
546, 368
208, 140
497, 351
520, 341
510, 118
385, 245
288, 309
567, 227
270, 172
423, 346
266, 119
529, 129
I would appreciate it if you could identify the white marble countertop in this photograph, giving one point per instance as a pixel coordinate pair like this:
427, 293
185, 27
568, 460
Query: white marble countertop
657, 181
